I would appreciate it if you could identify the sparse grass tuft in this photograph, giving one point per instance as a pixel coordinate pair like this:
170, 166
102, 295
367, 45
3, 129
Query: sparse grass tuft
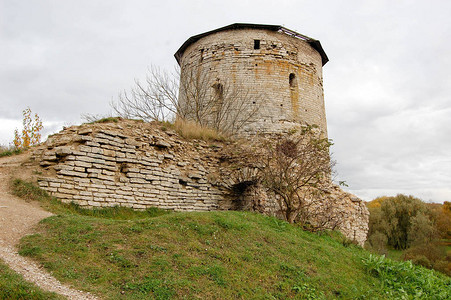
9, 151
107, 120
28, 191
194, 131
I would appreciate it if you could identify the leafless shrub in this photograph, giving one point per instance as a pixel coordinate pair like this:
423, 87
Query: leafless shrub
196, 97
295, 169
152, 100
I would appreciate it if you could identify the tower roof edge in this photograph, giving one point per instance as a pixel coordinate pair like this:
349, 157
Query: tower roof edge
314, 43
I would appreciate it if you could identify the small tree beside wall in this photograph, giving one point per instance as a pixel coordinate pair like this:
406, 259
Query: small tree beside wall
31, 131
296, 170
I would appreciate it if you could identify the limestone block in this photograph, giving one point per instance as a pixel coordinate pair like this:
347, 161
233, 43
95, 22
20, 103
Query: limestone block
108, 173
138, 180
135, 175
110, 153
63, 167
162, 143
72, 173
97, 150
94, 203
84, 148
84, 131
83, 164
63, 151
43, 183
92, 143
105, 177
49, 157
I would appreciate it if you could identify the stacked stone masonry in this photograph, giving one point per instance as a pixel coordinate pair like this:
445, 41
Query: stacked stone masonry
283, 75
142, 165
102, 168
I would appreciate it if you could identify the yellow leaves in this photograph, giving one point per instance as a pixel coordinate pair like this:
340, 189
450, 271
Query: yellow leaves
31, 132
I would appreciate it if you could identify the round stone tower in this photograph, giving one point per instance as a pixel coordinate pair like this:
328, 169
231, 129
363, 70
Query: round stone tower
277, 71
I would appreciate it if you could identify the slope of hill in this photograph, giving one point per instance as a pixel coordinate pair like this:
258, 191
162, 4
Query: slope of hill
210, 255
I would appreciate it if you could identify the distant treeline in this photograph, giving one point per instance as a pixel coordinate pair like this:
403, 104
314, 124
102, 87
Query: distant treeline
408, 228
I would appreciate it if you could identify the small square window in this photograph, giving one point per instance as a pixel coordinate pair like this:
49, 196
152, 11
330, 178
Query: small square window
256, 44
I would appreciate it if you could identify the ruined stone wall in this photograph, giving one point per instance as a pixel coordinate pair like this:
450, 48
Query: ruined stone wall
141, 165
229, 57
133, 164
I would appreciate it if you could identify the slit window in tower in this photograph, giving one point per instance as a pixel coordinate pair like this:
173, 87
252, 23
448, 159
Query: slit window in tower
292, 80
256, 44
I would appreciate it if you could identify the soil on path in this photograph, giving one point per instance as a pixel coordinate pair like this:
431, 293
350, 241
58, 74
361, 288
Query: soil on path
17, 218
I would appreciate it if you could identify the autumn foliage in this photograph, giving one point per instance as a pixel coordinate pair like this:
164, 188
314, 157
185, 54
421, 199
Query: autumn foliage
422, 231
31, 131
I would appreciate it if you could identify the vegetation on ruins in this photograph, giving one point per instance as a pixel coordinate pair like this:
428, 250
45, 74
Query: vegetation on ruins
202, 255
163, 97
417, 231
296, 169
31, 131
9, 150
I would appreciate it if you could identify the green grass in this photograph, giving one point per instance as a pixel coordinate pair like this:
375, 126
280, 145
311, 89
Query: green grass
4, 151
13, 286
417, 282
210, 255
31, 192
106, 120
394, 254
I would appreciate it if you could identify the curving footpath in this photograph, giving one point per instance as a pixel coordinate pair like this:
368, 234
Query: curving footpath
17, 218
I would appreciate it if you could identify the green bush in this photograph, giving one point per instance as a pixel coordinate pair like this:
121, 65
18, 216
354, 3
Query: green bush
403, 280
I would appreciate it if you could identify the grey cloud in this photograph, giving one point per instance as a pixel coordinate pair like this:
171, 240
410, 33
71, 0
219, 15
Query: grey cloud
387, 84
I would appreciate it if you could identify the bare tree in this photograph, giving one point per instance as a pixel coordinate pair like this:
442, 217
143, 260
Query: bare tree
196, 97
153, 100
296, 169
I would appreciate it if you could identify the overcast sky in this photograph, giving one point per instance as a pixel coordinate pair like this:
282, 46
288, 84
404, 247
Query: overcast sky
387, 84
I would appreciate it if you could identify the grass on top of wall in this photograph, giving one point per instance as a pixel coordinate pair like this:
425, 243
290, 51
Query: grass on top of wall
193, 131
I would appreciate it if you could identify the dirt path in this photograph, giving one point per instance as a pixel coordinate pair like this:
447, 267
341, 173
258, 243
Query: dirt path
17, 218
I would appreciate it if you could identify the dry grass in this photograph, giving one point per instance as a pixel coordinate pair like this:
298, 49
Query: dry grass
193, 131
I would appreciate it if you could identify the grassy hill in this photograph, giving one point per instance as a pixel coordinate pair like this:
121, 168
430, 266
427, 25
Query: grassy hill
120, 254
13, 286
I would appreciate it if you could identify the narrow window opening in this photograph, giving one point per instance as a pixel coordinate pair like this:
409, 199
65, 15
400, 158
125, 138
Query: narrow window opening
201, 54
219, 91
292, 80
256, 44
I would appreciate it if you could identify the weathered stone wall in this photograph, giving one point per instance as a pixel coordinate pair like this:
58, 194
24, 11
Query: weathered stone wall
229, 57
133, 164
142, 165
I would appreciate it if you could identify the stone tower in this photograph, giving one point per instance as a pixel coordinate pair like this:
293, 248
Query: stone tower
280, 70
